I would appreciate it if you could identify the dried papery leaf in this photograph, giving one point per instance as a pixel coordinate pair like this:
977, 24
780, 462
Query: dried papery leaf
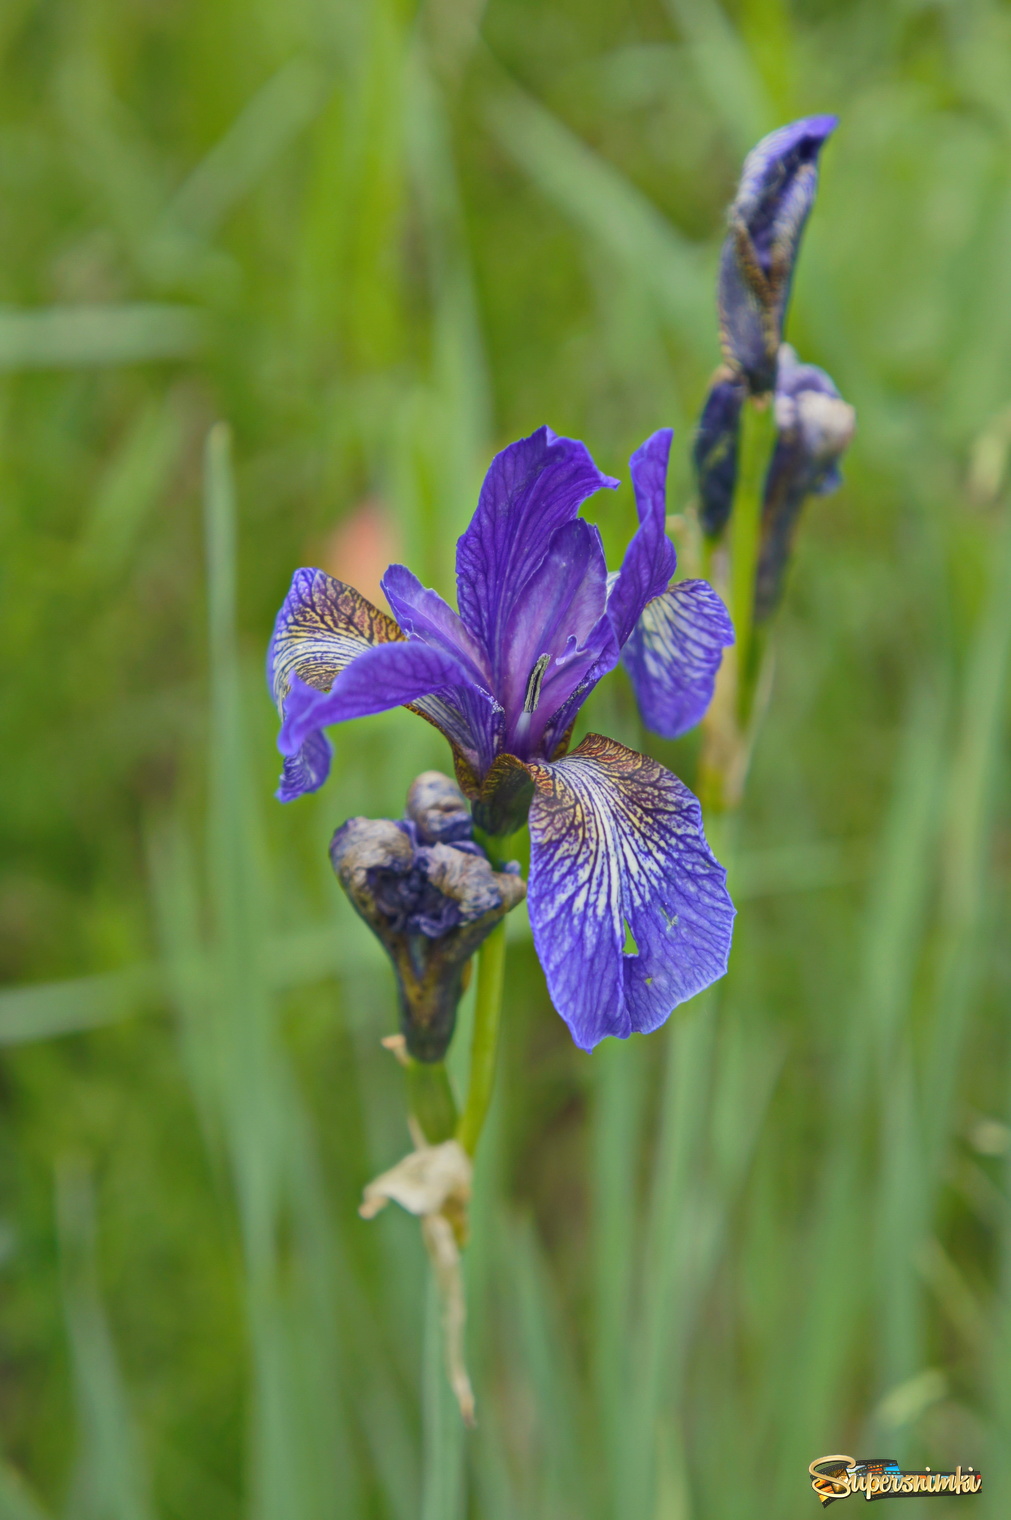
424, 1182
397, 1046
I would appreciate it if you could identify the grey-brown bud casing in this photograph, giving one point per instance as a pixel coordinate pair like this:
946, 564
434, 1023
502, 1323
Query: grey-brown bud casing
430, 896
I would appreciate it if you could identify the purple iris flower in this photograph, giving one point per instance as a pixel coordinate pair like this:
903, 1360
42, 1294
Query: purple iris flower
616, 840
766, 219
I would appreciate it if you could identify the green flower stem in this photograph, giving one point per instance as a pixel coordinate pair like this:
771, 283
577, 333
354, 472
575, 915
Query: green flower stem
484, 1049
755, 446
727, 728
430, 1099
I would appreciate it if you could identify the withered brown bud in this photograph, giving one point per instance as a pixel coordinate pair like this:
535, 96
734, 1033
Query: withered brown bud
438, 809
430, 896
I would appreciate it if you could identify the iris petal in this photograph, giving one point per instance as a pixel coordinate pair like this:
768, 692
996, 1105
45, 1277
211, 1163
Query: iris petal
558, 620
616, 845
649, 559
390, 675
325, 627
423, 612
306, 770
322, 626
530, 490
674, 654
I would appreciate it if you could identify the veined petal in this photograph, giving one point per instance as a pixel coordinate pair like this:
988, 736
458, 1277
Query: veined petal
674, 654
325, 627
616, 842
322, 626
530, 490
557, 625
389, 675
471, 719
650, 558
423, 612
306, 770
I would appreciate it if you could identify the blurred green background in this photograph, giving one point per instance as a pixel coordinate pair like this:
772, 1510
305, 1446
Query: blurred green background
379, 241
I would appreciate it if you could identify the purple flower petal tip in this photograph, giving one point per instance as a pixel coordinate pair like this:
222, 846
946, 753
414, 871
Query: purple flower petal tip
650, 559
305, 770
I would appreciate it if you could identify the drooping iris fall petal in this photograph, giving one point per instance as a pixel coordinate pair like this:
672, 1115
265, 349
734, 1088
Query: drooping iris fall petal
617, 845
673, 655
323, 625
389, 675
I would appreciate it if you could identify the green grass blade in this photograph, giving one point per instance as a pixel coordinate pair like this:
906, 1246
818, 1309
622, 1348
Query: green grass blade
17, 1502
442, 1492
129, 491
279, 110
725, 69
94, 337
602, 204
620, 1090
110, 1481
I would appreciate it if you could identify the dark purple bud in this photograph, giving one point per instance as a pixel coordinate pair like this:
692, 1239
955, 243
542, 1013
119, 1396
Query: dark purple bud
766, 219
814, 427
715, 451
429, 903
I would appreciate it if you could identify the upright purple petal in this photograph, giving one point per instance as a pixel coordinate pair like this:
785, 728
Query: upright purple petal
649, 559
424, 613
556, 623
530, 490
766, 219
602, 648
616, 846
674, 654
472, 721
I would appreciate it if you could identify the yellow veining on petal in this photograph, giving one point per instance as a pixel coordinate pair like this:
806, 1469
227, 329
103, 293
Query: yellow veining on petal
326, 628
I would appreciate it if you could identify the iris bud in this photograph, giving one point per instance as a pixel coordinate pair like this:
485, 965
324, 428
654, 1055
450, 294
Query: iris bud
438, 809
430, 896
714, 452
766, 220
814, 427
